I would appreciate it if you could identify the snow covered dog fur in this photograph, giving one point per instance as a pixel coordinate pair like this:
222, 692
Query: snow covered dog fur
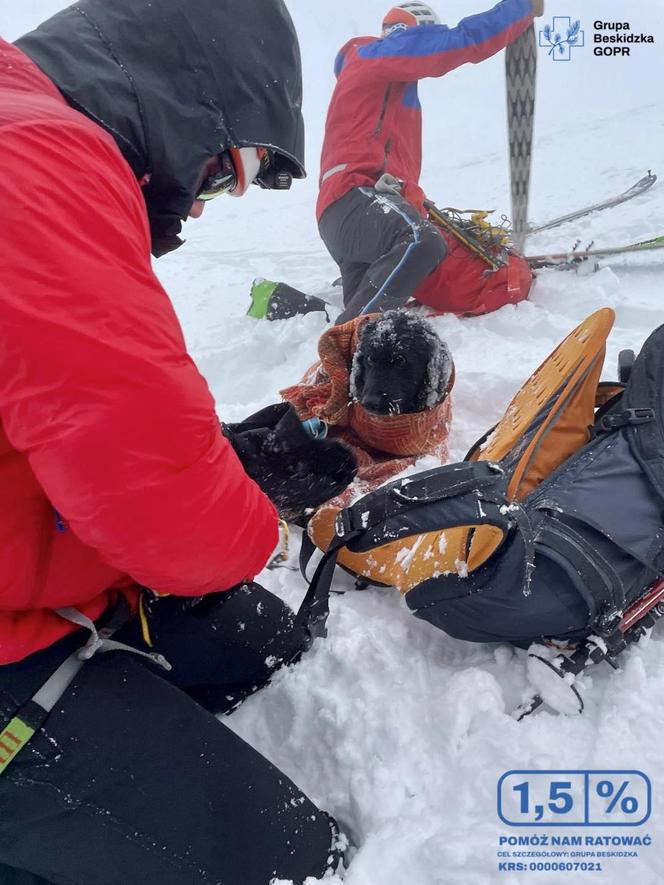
400, 365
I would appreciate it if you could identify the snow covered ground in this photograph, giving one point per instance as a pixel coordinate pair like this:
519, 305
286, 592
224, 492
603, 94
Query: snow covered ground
389, 724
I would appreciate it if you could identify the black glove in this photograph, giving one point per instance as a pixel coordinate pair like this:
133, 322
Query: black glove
295, 471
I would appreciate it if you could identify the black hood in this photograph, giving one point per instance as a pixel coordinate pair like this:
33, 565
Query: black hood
176, 82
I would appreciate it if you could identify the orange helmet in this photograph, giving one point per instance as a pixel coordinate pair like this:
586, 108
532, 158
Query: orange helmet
407, 15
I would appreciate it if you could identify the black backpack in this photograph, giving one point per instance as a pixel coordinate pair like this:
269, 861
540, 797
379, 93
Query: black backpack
576, 553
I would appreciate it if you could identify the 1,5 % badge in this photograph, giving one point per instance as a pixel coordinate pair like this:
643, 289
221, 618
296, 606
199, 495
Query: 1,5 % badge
574, 798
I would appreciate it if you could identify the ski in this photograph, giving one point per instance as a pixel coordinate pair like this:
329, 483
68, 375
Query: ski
520, 75
576, 256
641, 186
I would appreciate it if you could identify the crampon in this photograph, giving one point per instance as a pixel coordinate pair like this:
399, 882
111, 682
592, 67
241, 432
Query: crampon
554, 671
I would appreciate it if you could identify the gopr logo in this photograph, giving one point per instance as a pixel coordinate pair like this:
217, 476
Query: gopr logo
561, 37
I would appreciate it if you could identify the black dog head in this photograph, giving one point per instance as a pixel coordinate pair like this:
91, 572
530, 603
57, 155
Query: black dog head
400, 365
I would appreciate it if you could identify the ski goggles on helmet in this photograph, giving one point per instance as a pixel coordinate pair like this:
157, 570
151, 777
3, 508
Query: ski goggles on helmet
240, 167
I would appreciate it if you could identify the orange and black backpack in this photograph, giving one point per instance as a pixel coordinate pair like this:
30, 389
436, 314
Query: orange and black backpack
551, 527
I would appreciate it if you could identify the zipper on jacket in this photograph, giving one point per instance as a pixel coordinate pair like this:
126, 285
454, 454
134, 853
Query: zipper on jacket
383, 111
386, 154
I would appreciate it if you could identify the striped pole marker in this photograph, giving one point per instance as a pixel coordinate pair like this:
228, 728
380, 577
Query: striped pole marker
520, 75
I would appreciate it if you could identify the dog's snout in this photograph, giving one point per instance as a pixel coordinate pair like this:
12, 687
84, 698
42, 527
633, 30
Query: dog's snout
381, 403
375, 403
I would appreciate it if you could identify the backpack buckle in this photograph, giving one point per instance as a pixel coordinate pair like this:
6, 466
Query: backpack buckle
628, 417
344, 524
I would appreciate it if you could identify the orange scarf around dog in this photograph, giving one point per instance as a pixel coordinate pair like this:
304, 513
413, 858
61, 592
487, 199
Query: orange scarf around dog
384, 445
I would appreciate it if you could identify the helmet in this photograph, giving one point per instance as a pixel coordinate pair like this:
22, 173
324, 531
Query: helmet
407, 15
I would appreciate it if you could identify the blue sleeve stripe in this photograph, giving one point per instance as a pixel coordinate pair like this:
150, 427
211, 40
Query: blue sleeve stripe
433, 39
410, 97
339, 63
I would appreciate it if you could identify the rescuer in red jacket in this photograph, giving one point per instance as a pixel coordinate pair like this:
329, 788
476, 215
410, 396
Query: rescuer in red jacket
115, 474
370, 206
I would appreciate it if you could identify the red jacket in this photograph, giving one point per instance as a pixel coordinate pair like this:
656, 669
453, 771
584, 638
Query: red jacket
374, 123
113, 468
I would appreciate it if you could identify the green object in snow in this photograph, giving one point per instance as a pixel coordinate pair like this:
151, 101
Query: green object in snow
261, 292
279, 301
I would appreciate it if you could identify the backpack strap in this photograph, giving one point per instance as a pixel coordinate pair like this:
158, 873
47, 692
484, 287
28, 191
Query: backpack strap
395, 510
471, 494
311, 619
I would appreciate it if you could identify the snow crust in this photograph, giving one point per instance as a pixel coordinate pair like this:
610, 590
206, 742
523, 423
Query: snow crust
398, 730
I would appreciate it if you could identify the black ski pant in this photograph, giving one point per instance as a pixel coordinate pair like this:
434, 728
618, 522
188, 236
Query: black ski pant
384, 249
132, 782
